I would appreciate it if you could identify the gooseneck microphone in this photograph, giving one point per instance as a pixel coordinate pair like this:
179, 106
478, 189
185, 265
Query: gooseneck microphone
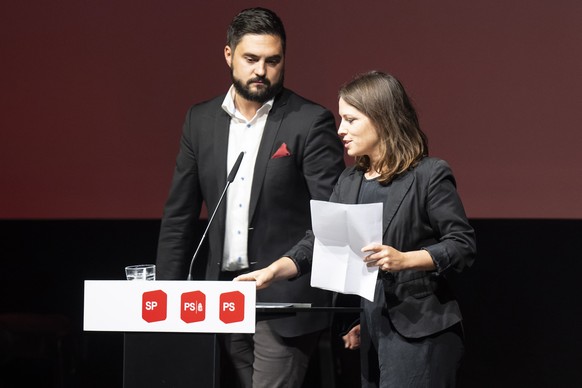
229, 180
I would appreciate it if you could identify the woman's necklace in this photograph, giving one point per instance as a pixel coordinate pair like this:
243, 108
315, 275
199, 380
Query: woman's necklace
371, 174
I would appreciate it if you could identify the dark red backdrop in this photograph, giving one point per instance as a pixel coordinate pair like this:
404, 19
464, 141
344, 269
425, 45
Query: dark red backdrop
93, 94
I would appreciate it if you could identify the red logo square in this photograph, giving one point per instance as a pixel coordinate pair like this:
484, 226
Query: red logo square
154, 306
232, 307
193, 307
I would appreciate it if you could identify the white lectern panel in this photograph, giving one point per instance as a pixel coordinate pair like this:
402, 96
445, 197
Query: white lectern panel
170, 306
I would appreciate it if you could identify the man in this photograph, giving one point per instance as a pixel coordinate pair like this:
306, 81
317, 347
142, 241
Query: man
291, 155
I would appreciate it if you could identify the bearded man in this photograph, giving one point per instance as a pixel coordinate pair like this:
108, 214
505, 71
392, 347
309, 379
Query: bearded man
292, 154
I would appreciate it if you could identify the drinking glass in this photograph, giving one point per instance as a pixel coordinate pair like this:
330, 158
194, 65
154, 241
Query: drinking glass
141, 272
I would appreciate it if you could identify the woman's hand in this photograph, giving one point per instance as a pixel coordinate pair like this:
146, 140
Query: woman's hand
352, 339
284, 268
391, 259
263, 277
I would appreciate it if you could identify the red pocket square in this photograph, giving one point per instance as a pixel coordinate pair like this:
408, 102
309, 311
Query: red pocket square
281, 152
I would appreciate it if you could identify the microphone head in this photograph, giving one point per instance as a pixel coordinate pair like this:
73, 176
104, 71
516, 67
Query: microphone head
235, 168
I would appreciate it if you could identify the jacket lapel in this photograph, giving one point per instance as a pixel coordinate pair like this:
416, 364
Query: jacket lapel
220, 151
397, 190
396, 193
352, 187
272, 126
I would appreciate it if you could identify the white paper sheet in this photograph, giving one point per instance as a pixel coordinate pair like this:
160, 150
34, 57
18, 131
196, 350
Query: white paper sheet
341, 231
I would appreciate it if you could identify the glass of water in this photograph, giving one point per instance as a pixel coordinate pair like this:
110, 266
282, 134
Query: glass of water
141, 272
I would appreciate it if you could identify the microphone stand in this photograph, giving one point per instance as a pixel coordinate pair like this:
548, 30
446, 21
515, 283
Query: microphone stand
229, 180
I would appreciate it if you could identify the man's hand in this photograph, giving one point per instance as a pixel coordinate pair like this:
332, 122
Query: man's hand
352, 339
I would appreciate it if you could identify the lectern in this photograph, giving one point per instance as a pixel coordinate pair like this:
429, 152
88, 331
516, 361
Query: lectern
170, 326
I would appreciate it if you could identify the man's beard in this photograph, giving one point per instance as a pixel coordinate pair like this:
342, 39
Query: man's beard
261, 95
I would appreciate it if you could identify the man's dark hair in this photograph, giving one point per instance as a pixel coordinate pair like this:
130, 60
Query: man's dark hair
259, 21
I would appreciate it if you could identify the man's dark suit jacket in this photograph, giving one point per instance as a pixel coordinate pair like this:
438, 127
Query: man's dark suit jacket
422, 210
279, 205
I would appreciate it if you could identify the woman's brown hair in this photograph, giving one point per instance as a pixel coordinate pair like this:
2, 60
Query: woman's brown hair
382, 98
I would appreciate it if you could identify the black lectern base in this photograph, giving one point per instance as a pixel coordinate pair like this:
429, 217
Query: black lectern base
173, 360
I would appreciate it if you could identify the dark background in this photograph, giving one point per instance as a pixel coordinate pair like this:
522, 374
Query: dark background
92, 97
520, 299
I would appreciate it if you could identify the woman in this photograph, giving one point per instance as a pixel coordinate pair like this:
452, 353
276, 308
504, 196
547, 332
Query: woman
411, 333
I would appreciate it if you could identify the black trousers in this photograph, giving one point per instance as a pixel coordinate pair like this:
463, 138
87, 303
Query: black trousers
389, 360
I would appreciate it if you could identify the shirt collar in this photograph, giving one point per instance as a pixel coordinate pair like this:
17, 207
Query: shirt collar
229, 107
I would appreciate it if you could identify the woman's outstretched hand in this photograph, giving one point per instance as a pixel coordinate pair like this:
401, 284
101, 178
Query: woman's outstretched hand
284, 268
263, 277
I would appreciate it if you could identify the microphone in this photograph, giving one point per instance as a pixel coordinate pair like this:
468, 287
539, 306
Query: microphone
229, 180
233, 172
